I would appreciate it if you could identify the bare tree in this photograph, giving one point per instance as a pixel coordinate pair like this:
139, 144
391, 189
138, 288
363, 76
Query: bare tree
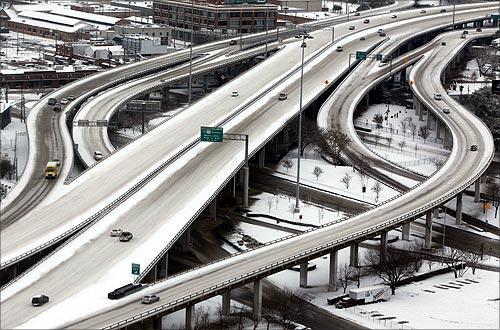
438, 163
484, 56
287, 306
494, 191
309, 134
404, 126
472, 260
317, 171
345, 275
377, 188
378, 119
401, 145
453, 258
389, 141
397, 266
424, 132
288, 164
412, 127
331, 144
346, 180
270, 201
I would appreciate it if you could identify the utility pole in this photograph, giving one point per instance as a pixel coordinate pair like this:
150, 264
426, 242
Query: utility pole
191, 54
453, 19
267, 23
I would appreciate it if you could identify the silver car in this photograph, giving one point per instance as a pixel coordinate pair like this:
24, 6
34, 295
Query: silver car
149, 299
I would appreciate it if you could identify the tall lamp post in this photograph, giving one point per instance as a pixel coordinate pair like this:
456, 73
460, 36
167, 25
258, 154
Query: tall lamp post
453, 19
267, 22
304, 35
191, 54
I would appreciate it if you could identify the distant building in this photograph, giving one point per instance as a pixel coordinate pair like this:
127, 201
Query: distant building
150, 30
306, 5
218, 16
144, 45
145, 8
106, 10
5, 114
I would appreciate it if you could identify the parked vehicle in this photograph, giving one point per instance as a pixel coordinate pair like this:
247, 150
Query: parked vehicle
115, 232
126, 236
124, 291
39, 300
365, 295
51, 170
149, 299
52, 101
98, 155
282, 96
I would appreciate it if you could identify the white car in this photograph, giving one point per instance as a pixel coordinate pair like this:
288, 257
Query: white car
149, 299
98, 155
234, 94
115, 232
64, 101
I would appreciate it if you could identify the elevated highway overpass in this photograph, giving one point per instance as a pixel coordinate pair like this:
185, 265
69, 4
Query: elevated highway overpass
205, 161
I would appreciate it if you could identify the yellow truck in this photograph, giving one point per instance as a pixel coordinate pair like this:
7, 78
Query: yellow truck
51, 170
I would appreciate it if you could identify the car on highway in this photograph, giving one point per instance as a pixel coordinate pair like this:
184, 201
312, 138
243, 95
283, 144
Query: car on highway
463, 36
479, 29
394, 16
473, 147
57, 107
382, 34
356, 14
233, 42
39, 300
149, 299
437, 96
352, 27
366, 21
465, 32
234, 94
71, 97
443, 43
442, 10
340, 48
98, 155
380, 31
282, 96
422, 11
115, 232
446, 110
126, 236
64, 101
52, 101
362, 38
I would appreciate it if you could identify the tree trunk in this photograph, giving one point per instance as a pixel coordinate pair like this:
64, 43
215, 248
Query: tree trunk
455, 273
393, 289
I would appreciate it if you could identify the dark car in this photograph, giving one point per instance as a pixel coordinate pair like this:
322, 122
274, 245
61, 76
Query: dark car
57, 107
442, 10
479, 29
233, 42
52, 101
126, 236
473, 147
356, 14
39, 300
352, 27
366, 21
443, 43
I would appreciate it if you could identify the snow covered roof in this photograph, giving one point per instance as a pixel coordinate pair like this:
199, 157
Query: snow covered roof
145, 4
140, 19
46, 7
49, 25
45, 17
4, 106
87, 17
369, 288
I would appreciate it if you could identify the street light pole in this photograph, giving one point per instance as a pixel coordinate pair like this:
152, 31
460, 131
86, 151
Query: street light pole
333, 33
304, 36
191, 54
453, 19
267, 25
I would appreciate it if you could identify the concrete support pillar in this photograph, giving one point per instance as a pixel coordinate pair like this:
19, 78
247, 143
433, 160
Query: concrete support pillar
428, 229
303, 275
406, 232
226, 303
438, 128
477, 190
332, 278
416, 105
436, 213
246, 172
166, 264
234, 187
458, 216
353, 257
383, 248
262, 157
155, 272
212, 209
286, 135
187, 239
189, 317
257, 299
429, 119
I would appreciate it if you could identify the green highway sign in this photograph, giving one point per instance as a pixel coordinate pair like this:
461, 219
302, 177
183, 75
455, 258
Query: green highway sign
136, 269
495, 16
360, 55
379, 57
212, 134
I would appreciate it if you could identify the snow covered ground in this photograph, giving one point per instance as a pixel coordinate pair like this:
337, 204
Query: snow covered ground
14, 145
323, 14
471, 73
